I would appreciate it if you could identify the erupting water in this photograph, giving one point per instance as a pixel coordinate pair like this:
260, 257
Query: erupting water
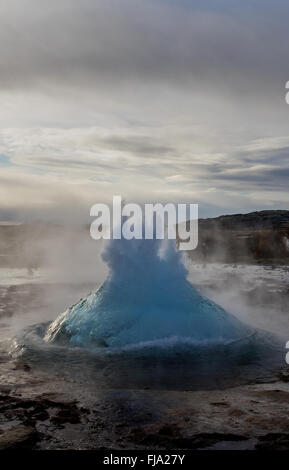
146, 299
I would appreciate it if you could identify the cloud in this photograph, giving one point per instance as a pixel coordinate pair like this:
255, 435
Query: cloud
101, 43
84, 165
145, 98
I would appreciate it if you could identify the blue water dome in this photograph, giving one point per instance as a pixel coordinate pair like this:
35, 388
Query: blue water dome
146, 299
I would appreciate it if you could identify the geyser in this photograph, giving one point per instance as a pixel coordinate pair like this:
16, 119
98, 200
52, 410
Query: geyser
146, 299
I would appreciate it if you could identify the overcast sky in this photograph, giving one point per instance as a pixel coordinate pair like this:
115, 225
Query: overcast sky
155, 100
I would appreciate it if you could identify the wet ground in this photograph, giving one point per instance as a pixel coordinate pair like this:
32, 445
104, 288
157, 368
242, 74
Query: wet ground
45, 407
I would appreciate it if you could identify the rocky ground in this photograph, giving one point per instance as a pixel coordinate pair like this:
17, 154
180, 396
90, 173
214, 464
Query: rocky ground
40, 412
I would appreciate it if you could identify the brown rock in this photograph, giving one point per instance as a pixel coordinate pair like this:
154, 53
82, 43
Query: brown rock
18, 437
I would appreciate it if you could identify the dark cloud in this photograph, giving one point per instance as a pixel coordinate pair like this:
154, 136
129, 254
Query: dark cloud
268, 156
273, 178
102, 43
138, 146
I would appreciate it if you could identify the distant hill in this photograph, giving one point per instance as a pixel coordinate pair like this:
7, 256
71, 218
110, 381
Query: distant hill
261, 237
257, 237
